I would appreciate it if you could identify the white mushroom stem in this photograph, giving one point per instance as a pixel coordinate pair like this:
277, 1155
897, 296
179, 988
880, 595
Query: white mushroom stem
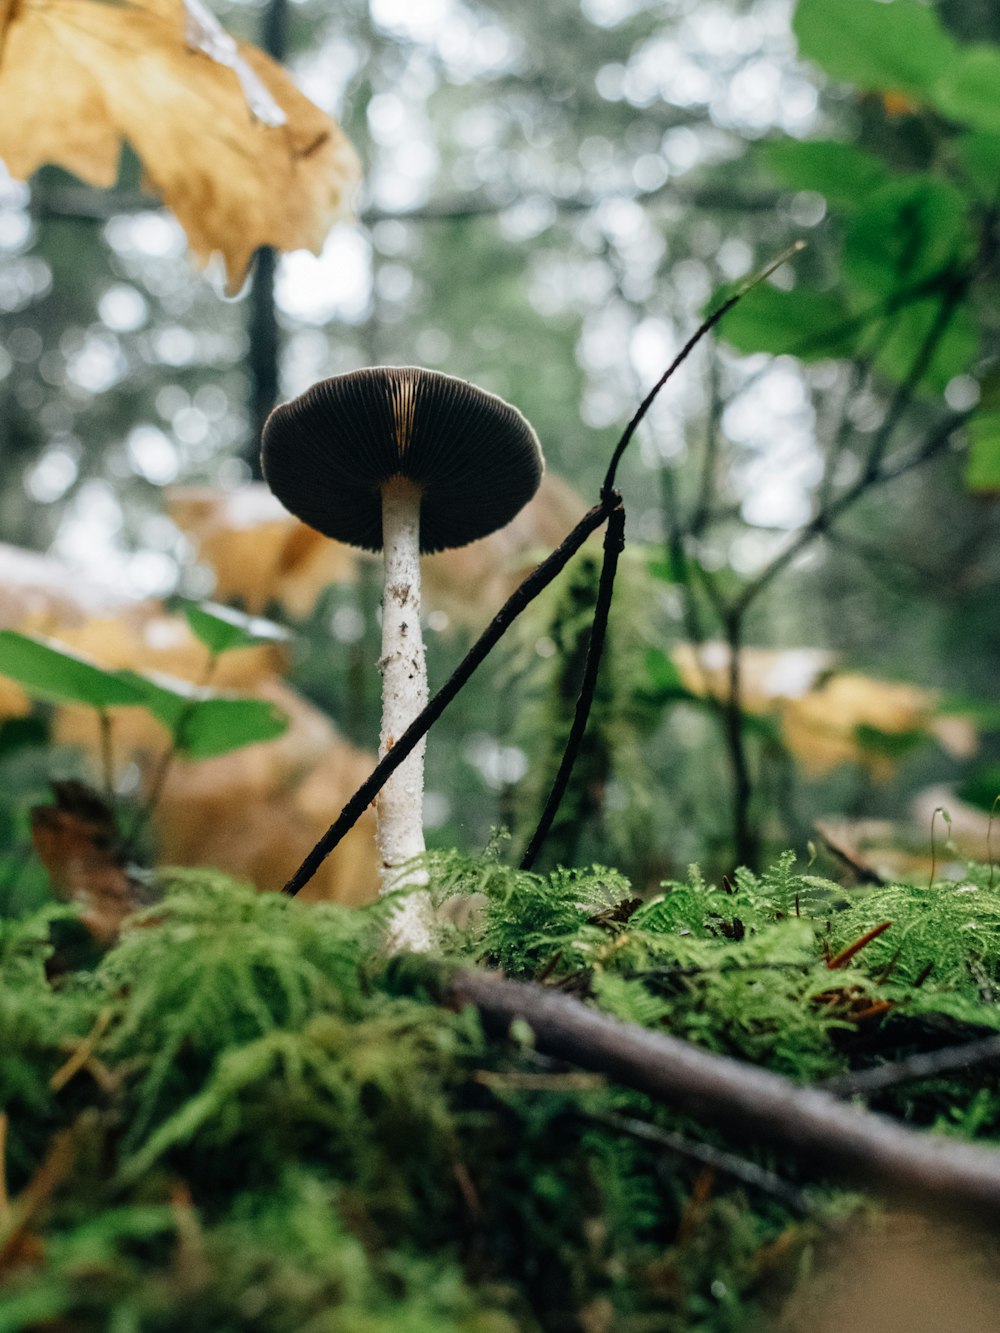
399, 805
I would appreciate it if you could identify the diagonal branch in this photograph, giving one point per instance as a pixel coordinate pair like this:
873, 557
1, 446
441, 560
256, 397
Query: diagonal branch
739, 1097
614, 544
535, 583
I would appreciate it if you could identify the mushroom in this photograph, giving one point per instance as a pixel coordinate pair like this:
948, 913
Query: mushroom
409, 462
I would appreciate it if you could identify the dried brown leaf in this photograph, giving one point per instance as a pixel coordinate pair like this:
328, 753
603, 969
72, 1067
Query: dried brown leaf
77, 842
259, 553
224, 136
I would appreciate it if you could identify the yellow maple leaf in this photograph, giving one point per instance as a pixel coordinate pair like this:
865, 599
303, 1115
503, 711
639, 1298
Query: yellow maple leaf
827, 727
225, 138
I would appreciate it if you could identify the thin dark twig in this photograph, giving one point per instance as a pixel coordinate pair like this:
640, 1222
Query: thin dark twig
708, 324
536, 582
928, 1064
938, 810
81, 203
107, 757
951, 299
614, 544
169, 755
878, 468
739, 1097
744, 837
757, 1177
889, 470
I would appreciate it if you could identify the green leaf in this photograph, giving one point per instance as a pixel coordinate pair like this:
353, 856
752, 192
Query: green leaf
892, 744
51, 672
900, 46
983, 714
843, 174
204, 723
906, 334
969, 89
661, 567
803, 323
22, 733
220, 725
911, 229
981, 787
664, 678
979, 155
982, 472
220, 628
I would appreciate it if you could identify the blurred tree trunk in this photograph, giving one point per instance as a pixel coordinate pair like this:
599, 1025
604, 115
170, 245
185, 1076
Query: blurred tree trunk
262, 319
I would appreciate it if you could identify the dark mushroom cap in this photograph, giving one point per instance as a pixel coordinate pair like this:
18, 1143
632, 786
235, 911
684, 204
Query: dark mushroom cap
327, 453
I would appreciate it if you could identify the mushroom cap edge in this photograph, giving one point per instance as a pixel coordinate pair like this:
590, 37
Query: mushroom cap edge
326, 454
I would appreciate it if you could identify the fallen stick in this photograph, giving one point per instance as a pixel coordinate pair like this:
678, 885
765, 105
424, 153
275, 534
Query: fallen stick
750, 1102
929, 1064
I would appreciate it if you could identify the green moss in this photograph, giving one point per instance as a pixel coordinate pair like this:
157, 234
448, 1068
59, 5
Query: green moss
276, 1130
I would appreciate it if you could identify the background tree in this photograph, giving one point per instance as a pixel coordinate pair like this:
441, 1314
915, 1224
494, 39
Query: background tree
551, 198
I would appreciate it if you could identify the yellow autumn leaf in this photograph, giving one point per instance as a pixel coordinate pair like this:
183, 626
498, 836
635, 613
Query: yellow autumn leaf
827, 719
256, 812
13, 700
225, 138
827, 727
768, 676
260, 554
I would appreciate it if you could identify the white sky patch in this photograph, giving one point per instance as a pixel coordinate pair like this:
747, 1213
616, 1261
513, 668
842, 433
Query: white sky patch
527, 218
498, 765
23, 281
152, 455
420, 22
15, 228
88, 537
150, 573
54, 472
325, 73
146, 236
652, 347
404, 175
98, 364
773, 420
334, 286
123, 308
609, 13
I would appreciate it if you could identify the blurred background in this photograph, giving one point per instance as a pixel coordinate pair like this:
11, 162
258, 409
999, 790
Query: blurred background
552, 197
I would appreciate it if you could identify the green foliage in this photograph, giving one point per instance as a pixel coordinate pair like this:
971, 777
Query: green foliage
53, 673
982, 786
790, 323
912, 294
610, 759
950, 930
221, 628
225, 966
844, 174
967, 89
900, 46
908, 231
279, 1133
202, 722
983, 468
39, 1024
